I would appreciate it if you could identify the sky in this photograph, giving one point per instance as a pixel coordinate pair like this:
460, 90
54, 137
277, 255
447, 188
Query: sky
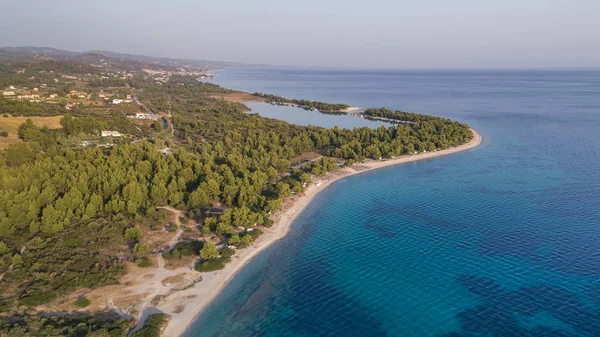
398, 34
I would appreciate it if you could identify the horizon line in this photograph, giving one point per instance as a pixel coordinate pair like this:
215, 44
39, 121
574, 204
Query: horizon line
356, 68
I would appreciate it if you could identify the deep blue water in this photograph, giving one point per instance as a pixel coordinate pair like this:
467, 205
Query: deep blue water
501, 240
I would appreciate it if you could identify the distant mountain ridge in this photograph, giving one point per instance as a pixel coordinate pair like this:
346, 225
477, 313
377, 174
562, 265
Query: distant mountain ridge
54, 52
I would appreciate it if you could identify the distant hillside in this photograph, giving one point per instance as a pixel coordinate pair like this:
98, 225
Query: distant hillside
33, 51
201, 63
30, 51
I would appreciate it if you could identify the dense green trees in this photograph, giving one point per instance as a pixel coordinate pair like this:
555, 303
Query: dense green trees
227, 156
73, 126
108, 324
321, 106
209, 251
184, 249
18, 154
401, 115
25, 108
70, 215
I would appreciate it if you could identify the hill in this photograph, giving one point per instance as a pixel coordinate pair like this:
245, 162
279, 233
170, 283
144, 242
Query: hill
30, 51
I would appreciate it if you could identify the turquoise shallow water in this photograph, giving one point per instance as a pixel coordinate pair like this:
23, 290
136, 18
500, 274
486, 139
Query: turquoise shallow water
501, 240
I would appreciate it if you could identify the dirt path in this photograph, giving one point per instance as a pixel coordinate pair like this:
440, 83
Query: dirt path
154, 287
178, 214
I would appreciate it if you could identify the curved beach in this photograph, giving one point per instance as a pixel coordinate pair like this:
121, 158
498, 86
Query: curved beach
195, 299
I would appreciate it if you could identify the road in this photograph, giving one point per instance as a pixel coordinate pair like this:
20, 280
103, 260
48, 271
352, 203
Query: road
166, 120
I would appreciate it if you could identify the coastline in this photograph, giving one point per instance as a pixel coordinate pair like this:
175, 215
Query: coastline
197, 298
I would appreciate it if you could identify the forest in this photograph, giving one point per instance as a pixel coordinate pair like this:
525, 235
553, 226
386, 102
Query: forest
29, 109
53, 194
71, 217
306, 104
402, 116
73, 326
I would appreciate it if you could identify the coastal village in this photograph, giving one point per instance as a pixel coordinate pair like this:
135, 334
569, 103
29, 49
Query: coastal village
102, 90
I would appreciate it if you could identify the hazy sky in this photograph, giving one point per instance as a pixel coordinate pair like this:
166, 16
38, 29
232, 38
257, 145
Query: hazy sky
340, 33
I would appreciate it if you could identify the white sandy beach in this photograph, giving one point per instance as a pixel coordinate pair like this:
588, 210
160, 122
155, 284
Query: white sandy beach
353, 109
195, 299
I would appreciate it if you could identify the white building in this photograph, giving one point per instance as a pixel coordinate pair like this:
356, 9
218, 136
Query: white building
111, 134
117, 101
8, 93
141, 115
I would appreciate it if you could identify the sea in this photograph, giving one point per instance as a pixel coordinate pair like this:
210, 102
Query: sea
500, 240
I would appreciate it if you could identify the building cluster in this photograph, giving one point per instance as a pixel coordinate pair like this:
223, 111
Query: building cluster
37, 95
29, 97
13, 95
80, 94
120, 75
128, 99
163, 76
178, 71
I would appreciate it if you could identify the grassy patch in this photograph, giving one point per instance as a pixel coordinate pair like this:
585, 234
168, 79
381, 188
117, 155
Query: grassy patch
82, 302
11, 125
173, 279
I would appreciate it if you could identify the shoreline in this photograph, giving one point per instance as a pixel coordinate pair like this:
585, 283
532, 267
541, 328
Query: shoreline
213, 282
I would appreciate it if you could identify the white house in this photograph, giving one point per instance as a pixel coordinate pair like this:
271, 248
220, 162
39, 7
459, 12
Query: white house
8, 93
111, 134
117, 101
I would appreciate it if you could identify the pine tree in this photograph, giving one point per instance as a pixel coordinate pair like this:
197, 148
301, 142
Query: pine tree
208, 251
